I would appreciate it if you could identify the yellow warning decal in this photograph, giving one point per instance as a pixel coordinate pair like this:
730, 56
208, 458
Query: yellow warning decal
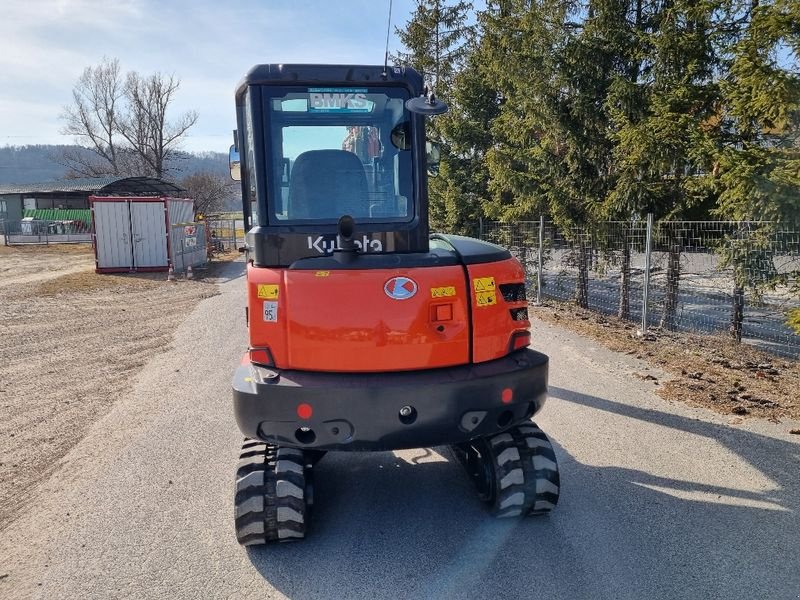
485, 294
268, 291
485, 298
443, 292
322, 273
483, 284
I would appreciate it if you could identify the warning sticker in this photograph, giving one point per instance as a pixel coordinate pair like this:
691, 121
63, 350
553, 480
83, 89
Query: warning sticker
485, 294
322, 274
443, 292
270, 312
485, 298
268, 291
483, 284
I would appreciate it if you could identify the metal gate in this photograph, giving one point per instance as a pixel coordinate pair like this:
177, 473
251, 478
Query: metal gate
130, 235
112, 225
149, 230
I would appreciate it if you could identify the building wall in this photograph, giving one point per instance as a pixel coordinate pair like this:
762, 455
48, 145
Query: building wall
55, 201
12, 203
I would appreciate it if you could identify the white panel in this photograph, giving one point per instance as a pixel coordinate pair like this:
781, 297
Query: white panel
149, 234
113, 239
180, 211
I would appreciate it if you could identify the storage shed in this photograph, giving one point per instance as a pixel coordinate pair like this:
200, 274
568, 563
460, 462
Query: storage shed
134, 233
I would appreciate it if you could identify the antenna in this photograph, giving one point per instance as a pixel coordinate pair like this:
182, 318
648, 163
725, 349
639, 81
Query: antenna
386, 54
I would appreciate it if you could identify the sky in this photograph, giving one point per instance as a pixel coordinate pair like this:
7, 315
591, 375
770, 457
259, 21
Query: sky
209, 44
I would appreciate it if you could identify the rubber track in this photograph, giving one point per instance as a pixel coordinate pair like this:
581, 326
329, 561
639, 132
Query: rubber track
270, 494
526, 470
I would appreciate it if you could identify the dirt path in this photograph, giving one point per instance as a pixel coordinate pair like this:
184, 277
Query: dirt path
70, 342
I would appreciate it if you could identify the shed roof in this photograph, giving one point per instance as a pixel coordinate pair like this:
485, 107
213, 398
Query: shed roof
97, 185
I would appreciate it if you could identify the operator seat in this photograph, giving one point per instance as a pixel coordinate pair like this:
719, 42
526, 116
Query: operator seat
327, 184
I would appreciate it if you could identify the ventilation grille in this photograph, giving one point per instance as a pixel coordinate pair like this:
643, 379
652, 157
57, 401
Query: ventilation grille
513, 292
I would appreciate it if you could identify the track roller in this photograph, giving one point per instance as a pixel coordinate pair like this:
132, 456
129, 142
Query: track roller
515, 471
273, 494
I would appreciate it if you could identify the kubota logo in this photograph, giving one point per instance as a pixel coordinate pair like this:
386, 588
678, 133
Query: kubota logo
400, 288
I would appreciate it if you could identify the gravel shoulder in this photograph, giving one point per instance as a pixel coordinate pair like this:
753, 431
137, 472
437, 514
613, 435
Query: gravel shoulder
70, 343
659, 499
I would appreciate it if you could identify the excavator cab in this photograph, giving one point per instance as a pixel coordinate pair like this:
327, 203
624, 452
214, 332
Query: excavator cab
343, 143
366, 331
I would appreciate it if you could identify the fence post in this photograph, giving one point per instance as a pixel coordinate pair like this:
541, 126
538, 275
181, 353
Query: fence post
480, 228
540, 261
646, 287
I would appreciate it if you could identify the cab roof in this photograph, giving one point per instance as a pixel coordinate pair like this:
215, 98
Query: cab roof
330, 75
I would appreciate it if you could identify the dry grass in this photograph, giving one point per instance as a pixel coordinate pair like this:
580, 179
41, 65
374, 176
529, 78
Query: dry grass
705, 370
227, 256
86, 281
45, 250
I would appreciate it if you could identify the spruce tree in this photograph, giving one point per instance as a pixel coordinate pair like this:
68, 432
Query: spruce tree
436, 41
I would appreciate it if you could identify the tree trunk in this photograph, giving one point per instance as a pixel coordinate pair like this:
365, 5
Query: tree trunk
624, 311
737, 314
582, 285
673, 283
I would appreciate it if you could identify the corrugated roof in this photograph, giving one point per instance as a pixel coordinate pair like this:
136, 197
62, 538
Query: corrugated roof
93, 184
103, 185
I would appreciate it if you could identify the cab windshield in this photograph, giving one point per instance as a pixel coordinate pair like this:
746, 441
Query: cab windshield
339, 151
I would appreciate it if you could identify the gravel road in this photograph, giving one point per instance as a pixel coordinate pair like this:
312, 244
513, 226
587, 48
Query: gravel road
658, 500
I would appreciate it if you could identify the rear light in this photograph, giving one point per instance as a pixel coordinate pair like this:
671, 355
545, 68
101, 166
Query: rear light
262, 357
521, 339
513, 292
519, 314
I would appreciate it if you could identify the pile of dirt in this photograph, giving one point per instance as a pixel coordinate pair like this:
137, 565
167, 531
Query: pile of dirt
704, 370
71, 342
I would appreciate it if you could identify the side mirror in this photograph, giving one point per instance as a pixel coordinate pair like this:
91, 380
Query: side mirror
434, 155
428, 105
235, 164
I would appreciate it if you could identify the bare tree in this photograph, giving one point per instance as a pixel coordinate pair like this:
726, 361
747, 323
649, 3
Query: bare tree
146, 128
92, 120
123, 122
209, 191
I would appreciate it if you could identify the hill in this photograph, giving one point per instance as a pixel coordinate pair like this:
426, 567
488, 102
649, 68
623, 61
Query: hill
35, 164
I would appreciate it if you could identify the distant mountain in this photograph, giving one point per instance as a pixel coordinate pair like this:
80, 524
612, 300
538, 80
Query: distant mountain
38, 164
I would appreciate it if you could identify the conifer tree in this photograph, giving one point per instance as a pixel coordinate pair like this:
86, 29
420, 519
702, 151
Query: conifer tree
437, 40
759, 157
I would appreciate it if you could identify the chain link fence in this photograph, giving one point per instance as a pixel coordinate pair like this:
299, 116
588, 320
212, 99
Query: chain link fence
733, 278
226, 234
45, 232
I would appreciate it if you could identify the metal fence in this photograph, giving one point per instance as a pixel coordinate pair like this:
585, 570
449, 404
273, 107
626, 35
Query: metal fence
226, 234
33, 231
735, 278
188, 246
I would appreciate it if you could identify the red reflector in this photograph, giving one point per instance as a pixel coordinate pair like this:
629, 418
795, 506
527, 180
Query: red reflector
508, 396
304, 411
261, 356
521, 341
